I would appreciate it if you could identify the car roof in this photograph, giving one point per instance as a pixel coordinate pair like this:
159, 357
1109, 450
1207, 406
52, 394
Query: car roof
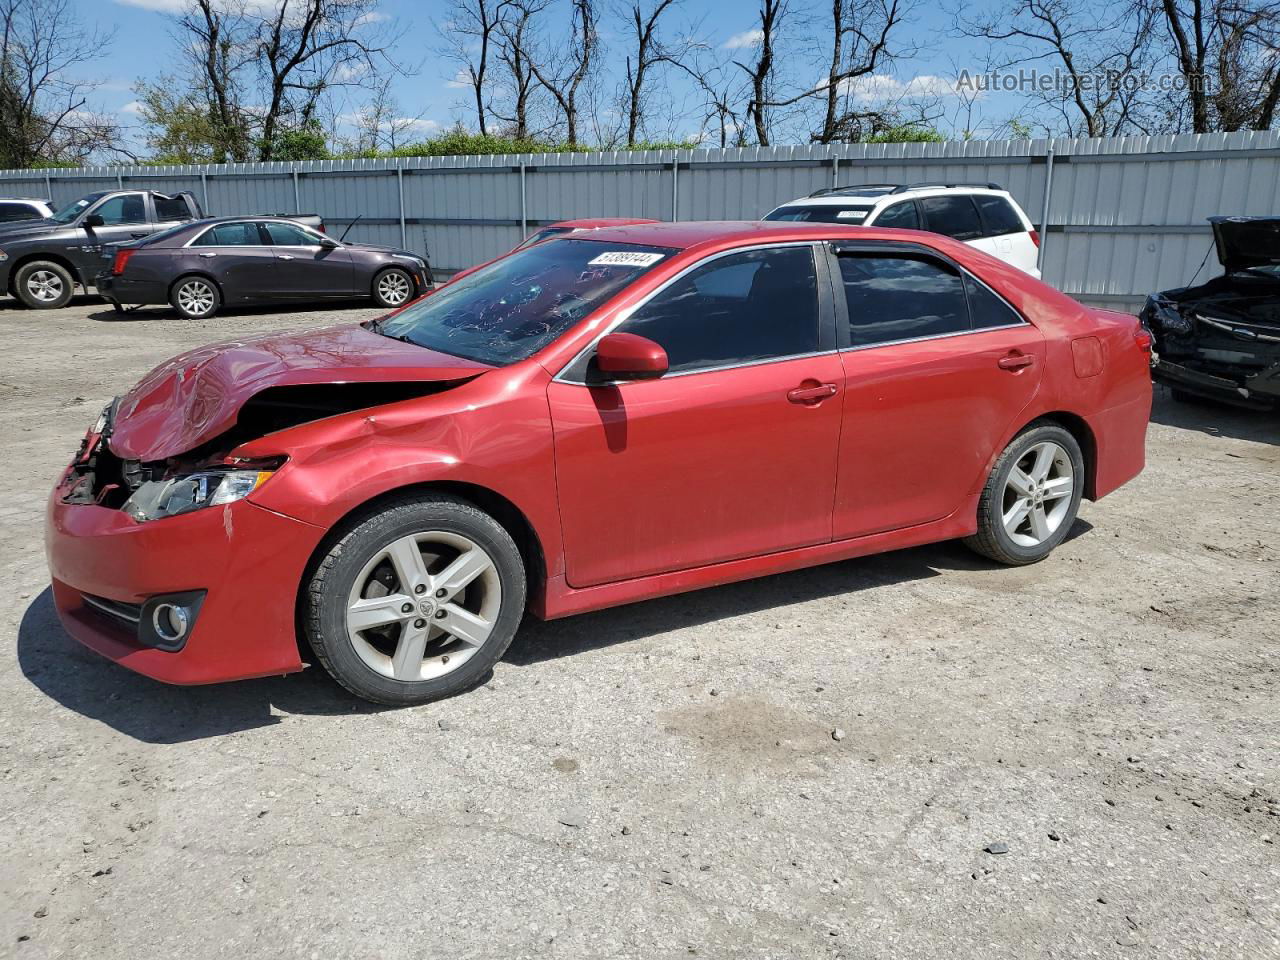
592, 223
872, 194
686, 234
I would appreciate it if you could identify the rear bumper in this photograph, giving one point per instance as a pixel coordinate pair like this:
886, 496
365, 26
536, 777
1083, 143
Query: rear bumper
123, 290
1260, 391
248, 561
1120, 438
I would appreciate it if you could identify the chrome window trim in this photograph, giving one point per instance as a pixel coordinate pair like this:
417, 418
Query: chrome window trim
932, 336
224, 223
622, 316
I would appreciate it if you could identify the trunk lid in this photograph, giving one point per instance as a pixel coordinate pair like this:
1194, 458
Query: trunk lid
197, 396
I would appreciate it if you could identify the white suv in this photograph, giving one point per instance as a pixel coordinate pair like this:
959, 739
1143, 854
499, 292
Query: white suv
981, 215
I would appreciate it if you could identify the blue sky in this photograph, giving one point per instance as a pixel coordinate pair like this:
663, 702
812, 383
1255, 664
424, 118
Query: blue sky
144, 48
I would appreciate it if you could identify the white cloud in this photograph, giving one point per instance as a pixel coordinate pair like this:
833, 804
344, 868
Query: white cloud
747, 38
133, 107
372, 16
879, 87
418, 125
160, 6
460, 80
350, 72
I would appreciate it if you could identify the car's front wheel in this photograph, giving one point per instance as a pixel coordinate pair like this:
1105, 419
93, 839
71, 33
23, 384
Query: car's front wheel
44, 285
393, 287
1031, 498
195, 298
415, 602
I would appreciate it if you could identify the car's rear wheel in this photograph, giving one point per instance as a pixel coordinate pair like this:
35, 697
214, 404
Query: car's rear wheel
196, 298
44, 285
393, 287
1031, 498
416, 601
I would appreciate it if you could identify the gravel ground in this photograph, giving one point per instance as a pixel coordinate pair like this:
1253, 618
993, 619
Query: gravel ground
662, 780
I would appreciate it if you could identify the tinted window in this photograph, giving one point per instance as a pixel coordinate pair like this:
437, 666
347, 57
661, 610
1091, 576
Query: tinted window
824, 213
755, 305
901, 298
517, 305
125, 208
171, 208
986, 309
998, 215
901, 215
955, 216
18, 211
230, 235
288, 235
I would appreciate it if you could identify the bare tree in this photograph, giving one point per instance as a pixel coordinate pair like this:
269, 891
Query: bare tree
216, 39
761, 70
380, 123
474, 33
44, 110
860, 38
563, 75
1102, 51
647, 50
1225, 51
516, 38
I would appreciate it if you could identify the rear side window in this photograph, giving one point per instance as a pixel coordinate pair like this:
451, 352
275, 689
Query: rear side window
740, 308
10, 212
230, 235
998, 215
954, 216
902, 216
901, 298
986, 309
171, 208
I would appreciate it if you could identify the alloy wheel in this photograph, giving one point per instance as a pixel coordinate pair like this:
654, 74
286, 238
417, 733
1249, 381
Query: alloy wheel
195, 297
1038, 494
393, 288
45, 286
423, 605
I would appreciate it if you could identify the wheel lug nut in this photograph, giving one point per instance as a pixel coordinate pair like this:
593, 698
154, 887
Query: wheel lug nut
419, 624
406, 608
420, 588
439, 614
442, 592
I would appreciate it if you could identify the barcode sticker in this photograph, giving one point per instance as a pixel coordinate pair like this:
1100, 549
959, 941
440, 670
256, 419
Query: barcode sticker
625, 258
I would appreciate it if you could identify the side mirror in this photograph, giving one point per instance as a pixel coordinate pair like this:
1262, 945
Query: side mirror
328, 243
626, 356
93, 220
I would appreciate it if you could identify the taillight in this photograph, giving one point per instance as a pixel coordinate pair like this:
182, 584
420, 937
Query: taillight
1035, 236
121, 260
321, 227
1142, 336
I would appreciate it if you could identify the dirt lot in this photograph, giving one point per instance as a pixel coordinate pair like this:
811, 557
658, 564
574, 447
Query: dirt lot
661, 780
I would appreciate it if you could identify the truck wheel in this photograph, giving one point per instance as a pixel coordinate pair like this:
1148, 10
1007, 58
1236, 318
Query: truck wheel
415, 602
44, 285
195, 298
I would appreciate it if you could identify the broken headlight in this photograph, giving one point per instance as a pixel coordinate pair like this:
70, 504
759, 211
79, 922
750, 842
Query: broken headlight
1167, 317
194, 491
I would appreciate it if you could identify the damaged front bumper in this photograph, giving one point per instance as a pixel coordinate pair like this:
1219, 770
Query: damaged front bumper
232, 569
1257, 391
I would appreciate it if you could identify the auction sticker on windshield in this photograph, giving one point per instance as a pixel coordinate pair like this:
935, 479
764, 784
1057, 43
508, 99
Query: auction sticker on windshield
625, 258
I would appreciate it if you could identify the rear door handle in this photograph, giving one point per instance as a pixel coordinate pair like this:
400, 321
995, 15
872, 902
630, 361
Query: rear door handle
1015, 361
284, 256
208, 255
811, 394
137, 236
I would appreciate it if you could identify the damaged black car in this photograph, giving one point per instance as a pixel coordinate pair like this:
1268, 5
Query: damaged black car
1221, 340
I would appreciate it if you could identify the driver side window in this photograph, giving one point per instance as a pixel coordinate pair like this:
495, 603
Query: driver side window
125, 208
744, 307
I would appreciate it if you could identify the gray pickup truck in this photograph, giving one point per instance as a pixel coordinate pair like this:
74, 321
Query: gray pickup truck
42, 261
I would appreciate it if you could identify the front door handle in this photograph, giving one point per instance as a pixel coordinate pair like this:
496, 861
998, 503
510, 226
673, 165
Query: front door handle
284, 256
1015, 361
208, 255
814, 394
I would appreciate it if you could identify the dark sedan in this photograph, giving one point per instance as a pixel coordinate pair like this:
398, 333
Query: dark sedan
199, 267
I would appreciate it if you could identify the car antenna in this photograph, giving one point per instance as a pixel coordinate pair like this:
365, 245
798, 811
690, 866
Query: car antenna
349, 226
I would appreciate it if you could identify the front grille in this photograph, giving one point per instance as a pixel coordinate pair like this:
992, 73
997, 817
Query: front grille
127, 615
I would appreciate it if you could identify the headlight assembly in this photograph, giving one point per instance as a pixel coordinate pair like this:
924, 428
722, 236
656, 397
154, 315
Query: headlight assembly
1167, 317
194, 491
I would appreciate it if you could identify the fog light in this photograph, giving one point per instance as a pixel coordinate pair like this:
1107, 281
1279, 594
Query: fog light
171, 622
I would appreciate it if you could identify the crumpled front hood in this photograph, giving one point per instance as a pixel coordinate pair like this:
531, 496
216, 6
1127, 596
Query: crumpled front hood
195, 397
1245, 242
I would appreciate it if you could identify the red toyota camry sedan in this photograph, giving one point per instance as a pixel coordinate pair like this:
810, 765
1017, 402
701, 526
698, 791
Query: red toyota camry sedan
589, 421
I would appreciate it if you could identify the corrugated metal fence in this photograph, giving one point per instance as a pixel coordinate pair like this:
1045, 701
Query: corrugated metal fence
1125, 216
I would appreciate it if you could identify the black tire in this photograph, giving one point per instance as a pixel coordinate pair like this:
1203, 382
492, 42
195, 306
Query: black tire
329, 590
992, 539
184, 290
44, 285
393, 278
